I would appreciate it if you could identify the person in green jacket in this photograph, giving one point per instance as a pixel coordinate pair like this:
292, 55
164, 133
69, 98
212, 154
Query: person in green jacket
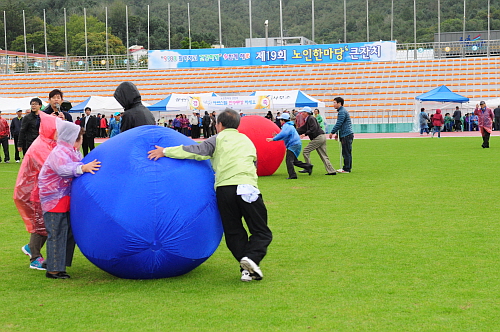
233, 157
320, 119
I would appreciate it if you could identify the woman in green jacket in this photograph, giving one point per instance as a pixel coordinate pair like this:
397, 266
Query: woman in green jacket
320, 120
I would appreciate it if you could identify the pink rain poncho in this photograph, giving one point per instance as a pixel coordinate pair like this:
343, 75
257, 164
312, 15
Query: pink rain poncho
62, 165
26, 195
485, 119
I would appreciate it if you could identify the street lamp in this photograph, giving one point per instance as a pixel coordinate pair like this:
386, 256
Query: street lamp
266, 24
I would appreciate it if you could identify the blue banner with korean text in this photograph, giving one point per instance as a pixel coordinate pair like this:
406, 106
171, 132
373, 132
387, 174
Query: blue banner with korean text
286, 55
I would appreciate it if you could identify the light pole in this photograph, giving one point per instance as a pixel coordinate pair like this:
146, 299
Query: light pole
266, 24
250, 19
220, 28
189, 27
345, 20
312, 19
281, 21
367, 23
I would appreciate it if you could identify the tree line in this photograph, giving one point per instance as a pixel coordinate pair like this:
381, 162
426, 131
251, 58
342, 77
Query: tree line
204, 22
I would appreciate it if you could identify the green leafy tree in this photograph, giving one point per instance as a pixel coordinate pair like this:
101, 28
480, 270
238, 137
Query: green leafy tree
36, 41
194, 44
96, 44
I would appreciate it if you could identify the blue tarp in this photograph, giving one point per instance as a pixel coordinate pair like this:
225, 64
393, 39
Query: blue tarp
442, 94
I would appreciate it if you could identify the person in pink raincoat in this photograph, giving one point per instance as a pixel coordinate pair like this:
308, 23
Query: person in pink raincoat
62, 165
26, 195
485, 117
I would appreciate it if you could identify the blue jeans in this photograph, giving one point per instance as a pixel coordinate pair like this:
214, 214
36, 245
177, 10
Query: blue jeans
423, 127
346, 142
60, 241
438, 130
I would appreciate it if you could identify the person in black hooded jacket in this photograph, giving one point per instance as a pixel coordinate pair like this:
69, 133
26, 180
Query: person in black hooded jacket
135, 114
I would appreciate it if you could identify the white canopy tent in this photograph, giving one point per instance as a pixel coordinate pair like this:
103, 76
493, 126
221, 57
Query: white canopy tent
99, 104
11, 105
177, 102
490, 103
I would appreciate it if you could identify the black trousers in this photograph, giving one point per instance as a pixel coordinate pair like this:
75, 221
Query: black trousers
291, 161
36, 243
5, 144
206, 131
497, 123
195, 131
486, 139
232, 208
87, 144
16, 154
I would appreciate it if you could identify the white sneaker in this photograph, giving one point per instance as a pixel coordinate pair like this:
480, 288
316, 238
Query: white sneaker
245, 276
249, 265
341, 171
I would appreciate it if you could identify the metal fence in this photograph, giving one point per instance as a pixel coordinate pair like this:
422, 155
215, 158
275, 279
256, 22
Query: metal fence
27, 64
457, 49
416, 51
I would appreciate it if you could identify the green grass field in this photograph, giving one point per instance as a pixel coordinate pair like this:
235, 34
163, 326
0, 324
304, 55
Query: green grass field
407, 242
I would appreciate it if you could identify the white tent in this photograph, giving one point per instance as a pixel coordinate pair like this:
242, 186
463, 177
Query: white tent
177, 102
99, 104
11, 105
490, 103
290, 99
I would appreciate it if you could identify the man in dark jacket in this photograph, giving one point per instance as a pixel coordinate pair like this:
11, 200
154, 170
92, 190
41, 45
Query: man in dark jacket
136, 114
29, 126
206, 125
91, 124
496, 112
15, 128
457, 116
317, 136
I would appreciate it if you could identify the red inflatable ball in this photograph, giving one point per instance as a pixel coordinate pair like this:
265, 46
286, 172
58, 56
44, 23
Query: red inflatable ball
269, 154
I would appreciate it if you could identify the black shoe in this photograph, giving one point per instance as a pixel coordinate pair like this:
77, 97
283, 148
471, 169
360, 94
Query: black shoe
304, 171
310, 169
334, 173
291, 178
58, 275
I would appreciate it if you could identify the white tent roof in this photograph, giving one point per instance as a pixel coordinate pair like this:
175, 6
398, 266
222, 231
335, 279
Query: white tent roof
11, 105
177, 102
99, 104
491, 103
290, 99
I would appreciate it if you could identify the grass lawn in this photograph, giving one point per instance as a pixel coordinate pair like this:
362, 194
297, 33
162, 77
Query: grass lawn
407, 242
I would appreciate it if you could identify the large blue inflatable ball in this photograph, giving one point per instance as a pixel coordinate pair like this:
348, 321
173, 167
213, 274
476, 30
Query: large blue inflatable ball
141, 219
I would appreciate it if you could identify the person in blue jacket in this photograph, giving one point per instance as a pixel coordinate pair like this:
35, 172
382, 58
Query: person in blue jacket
293, 145
343, 131
114, 125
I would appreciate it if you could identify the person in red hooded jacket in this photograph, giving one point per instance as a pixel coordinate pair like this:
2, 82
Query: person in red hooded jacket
26, 193
437, 122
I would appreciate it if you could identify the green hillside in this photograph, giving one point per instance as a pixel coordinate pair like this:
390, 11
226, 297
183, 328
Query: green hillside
329, 21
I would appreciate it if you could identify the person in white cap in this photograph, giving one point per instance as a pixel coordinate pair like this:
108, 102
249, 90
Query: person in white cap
289, 135
318, 141
195, 125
